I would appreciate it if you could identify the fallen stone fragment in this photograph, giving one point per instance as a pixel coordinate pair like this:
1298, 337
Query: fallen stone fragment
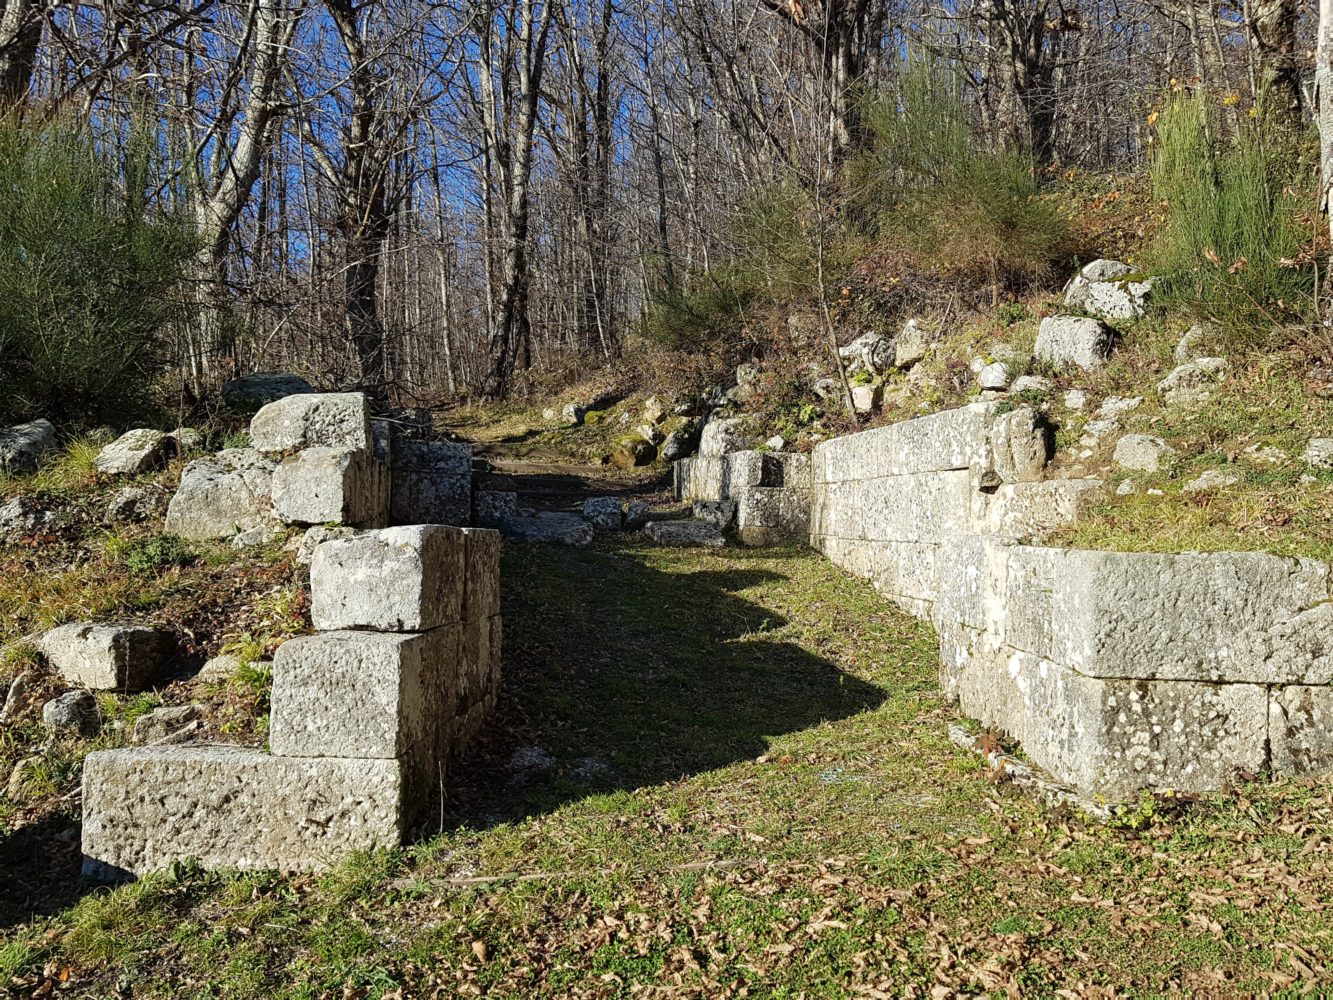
23, 445
685, 534
637, 514
1213, 479
256, 537
718, 514
222, 494
317, 536
1319, 453
108, 657
1110, 289
560, 528
994, 377
219, 669
135, 503
250, 392
23, 517
492, 507
73, 712
161, 723
1076, 340
1142, 452
1193, 382
136, 452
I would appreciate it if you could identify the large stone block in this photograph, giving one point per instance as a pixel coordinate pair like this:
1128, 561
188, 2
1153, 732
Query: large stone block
1019, 446
1221, 616
314, 420
432, 483
942, 442
1023, 510
1113, 738
249, 392
1300, 729
405, 579
770, 515
921, 507
369, 695
108, 657
332, 486
228, 807
222, 494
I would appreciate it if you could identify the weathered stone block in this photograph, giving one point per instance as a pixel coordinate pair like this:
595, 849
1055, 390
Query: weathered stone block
406, 579
1027, 509
493, 507
108, 657
721, 436
332, 486
222, 494
945, 441
685, 534
315, 420
1019, 446
249, 392
606, 513
135, 452
23, 445
432, 483
1110, 289
557, 527
1300, 729
228, 807
369, 695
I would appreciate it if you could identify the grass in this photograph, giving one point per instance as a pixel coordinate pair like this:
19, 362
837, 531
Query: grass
780, 815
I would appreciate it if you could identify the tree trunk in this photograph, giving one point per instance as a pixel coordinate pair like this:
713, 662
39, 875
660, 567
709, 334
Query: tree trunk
1273, 36
20, 35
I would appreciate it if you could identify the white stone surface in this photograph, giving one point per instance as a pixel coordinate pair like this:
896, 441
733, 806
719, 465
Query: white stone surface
108, 657
334, 486
313, 420
1077, 340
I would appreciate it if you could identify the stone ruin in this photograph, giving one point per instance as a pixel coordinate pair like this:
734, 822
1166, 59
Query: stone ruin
1116, 671
365, 720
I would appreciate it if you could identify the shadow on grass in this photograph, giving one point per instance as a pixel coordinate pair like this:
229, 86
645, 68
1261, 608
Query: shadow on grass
628, 676
39, 870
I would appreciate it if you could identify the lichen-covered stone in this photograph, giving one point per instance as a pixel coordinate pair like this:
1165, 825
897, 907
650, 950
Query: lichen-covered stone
249, 392
222, 494
1142, 452
108, 657
1194, 381
554, 527
316, 420
332, 486
228, 807
404, 579
606, 513
73, 712
135, 452
1110, 289
1300, 729
685, 534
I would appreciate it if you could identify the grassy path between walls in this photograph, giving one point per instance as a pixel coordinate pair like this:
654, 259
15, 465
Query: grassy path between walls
722, 774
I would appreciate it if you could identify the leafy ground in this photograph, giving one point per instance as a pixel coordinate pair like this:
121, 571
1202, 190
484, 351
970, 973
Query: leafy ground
752, 794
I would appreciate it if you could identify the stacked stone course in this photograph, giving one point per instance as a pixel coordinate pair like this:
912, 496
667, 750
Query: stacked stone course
1117, 671
364, 720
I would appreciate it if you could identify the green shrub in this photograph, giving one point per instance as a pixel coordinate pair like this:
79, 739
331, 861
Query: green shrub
959, 208
88, 278
150, 556
1233, 214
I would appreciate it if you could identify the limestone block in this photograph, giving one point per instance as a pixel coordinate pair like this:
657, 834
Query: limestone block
1110, 289
135, 452
432, 483
406, 579
913, 343
769, 515
1319, 453
481, 590
314, 537
1115, 737
866, 398
369, 695
222, 494
1077, 340
1233, 617
1300, 730
701, 478
685, 534
746, 469
228, 807
1025, 509
945, 441
556, 527
332, 486
22, 445
313, 420
908, 573
108, 657
920, 507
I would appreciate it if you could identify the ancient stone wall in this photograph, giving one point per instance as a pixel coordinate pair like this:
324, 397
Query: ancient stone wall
1116, 671
771, 491
365, 719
